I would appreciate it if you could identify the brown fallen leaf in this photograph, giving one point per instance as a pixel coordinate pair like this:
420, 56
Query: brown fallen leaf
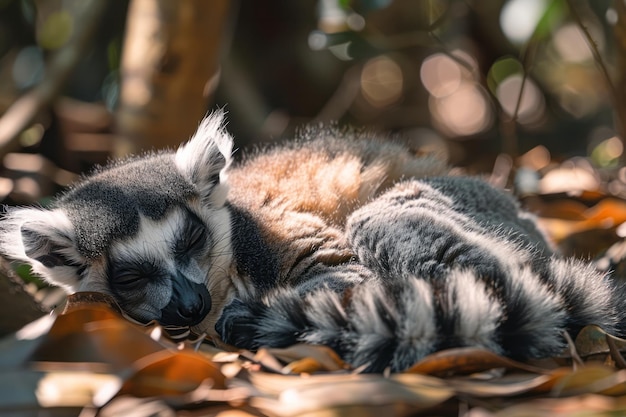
345, 394
581, 406
579, 229
308, 358
593, 340
509, 385
76, 389
466, 361
608, 212
167, 373
590, 379
88, 299
96, 335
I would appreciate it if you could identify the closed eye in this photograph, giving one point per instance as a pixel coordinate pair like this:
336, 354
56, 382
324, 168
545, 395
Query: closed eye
133, 275
128, 280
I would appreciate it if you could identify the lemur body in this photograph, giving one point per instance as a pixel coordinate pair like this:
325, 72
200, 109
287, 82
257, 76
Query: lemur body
351, 242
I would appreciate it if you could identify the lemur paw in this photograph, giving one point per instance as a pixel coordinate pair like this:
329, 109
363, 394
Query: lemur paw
253, 324
237, 325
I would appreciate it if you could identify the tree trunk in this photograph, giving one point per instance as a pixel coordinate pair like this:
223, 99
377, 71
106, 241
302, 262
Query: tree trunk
170, 64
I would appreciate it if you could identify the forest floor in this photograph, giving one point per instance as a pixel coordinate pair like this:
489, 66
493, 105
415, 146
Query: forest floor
89, 360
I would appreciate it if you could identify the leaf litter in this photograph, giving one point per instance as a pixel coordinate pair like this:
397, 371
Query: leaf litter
91, 360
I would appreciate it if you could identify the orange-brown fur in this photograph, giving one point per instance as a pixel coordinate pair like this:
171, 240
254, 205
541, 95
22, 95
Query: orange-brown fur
301, 196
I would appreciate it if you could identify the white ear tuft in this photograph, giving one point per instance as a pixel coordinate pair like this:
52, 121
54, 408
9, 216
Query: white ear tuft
44, 240
204, 159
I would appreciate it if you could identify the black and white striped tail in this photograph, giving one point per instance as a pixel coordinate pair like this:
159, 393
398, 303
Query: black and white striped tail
443, 263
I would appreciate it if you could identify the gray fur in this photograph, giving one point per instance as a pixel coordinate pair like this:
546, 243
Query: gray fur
108, 206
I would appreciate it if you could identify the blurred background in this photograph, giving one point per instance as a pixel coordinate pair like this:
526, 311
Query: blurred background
509, 88
530, 94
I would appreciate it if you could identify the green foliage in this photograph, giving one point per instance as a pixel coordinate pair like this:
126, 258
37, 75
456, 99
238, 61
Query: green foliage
552, 16
501, 70
25, 272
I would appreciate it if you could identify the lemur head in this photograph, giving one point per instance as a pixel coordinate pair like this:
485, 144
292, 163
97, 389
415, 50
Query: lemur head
152, 231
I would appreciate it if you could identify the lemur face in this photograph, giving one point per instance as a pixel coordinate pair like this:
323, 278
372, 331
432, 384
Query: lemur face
161, 272
151, 231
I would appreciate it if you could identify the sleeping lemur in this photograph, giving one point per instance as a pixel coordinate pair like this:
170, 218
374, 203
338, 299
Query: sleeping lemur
337, 239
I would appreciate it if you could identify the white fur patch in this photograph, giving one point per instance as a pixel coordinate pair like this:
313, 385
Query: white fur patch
479, 312
418, 330
153, 240
55, 229
207, 154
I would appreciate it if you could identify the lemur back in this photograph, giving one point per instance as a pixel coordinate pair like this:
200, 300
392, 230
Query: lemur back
299, 194
336, 238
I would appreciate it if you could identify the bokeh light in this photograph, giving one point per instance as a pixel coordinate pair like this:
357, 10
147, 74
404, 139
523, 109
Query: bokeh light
317, 40
382, 81
440, 74
28, 67
608, 152
573, 176
528, 108
459, 106
56, 30
463, 113
519, 18
535, 159
569, 41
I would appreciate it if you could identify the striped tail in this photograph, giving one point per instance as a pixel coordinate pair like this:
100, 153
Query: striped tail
443, 263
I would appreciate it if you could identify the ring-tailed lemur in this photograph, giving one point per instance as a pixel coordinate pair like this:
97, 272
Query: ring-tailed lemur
350, 242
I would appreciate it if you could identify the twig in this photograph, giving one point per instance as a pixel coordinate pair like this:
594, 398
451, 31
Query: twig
577, 361
616, 99
343, 97
509, 127
24, 110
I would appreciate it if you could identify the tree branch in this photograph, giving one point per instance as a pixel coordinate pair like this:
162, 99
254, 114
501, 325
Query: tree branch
24, 110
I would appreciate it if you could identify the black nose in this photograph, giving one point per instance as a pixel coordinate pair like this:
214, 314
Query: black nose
191, 310
189, 305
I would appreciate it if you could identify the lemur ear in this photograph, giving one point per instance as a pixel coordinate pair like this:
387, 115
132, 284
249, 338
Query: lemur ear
204, 159
44, 240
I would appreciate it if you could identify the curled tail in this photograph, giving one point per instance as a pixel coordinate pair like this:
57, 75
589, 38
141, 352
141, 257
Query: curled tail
382, 324
440, 263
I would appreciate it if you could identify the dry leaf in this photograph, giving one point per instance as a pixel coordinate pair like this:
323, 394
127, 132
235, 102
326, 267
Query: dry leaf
94, 335
466, 361
87, 299
73, 389
171, 373
581, 406
592, 340
506, 386
608, 212
566, 219
362, 395
308, 358
586, 380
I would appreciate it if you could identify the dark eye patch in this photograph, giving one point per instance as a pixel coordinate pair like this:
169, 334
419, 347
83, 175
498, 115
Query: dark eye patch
44, 250
132, 275
50, 260
193, 236
55, 258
